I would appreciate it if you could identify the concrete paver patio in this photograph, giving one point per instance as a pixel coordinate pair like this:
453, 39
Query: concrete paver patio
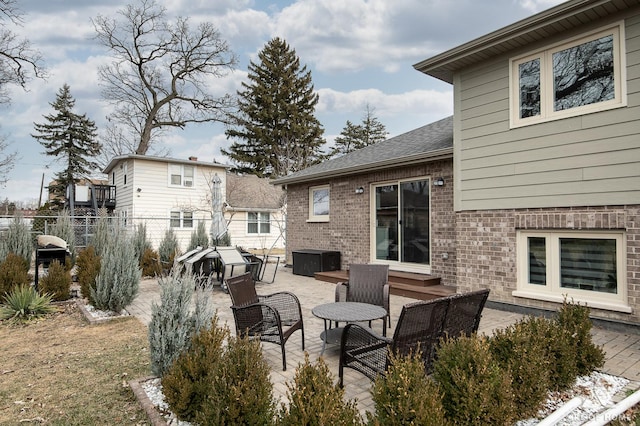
622, 349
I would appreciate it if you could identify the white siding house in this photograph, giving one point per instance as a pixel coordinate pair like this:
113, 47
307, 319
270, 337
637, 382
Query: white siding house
164, 192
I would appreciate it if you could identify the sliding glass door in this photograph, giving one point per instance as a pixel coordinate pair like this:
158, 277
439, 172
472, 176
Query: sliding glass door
401, 217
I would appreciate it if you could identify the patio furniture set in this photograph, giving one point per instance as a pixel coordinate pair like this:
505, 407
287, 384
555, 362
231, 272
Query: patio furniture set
363, 299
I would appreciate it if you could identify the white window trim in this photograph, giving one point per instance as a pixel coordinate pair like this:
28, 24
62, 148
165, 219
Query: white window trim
318, 218
552, 291
259, 222
182, 219
182, 177
546, 79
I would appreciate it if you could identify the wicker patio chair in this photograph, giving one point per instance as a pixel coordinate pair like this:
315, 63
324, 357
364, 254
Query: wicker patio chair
367, 284
270, 318
465, 311
420, 325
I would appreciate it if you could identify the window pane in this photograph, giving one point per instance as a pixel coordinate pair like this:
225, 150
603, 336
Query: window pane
187, 220
321, 202
387, 222
583, 74
252, 228
588, 264
176, 180
175, 220
537, 260
529, 88
188, 172
265, 223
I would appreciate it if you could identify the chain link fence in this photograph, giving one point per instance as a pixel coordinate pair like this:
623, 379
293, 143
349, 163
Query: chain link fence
264, 243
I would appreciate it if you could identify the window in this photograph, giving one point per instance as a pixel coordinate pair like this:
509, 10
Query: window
319, 204
181, 175
180, 219
258, 223
578, 77
586, 266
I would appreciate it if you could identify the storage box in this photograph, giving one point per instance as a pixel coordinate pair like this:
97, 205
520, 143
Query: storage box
308, 262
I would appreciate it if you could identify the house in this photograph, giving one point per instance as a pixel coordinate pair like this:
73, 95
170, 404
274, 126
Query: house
391, 202
544, 174
89, 196
254, 212
164, 193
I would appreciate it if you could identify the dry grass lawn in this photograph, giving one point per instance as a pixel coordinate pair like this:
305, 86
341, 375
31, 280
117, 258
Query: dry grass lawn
60, 370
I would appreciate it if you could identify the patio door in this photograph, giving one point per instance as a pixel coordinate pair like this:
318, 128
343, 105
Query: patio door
402, 223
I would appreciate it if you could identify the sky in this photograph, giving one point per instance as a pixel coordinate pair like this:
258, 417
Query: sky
360, 53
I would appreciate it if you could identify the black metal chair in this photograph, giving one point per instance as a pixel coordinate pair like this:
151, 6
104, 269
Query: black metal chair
367, 284
420, 325
270, 318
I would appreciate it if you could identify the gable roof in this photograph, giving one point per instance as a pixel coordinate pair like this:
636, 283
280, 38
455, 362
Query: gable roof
563, 17
427, 143
250, 192
115, 160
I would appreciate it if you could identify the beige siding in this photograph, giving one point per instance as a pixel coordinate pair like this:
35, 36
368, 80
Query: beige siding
592, 159
237, 226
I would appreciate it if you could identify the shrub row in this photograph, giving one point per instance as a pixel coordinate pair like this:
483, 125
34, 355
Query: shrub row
477, 380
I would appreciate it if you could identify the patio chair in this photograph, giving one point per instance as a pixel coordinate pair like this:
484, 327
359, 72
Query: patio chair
270, 318
465, 311
367, 284
420, 326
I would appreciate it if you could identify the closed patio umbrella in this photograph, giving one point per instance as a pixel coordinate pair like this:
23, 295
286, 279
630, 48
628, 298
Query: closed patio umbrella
218, 225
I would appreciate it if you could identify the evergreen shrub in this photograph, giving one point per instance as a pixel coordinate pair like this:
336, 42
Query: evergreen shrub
57, 282
17, 240
406, 396
199, 237
87, 270
13, 273
141, 243
315, 399
168, 248
476, 390
118, 281
150, 263
522, 349
188, 380
241, 392
102, 233
574, 318
172, 322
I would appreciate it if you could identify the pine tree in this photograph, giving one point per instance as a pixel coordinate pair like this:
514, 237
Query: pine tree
358, 136
276, 131
71, 138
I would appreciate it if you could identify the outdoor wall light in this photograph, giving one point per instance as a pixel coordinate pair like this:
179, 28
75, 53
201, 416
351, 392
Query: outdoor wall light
438, 182
139, 189
359, 190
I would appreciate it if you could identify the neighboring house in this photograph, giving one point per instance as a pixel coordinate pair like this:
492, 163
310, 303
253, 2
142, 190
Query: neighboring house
255, 212
164, 192
89, 196
545, 193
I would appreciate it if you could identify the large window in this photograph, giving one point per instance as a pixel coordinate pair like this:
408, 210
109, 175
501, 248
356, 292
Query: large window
181, 175
181, 219
258, 223
586, 266
578, 77
319, 204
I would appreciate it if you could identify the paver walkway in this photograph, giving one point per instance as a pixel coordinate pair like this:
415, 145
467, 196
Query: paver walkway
622, 349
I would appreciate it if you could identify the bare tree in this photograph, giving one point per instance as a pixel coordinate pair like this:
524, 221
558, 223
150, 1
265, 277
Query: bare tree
158, 79
7, 160
18, 60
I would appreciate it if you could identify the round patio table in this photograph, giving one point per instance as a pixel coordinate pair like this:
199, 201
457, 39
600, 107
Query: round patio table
346, 312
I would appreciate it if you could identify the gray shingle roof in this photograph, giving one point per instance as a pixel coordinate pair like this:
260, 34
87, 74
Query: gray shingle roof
250, 192
432, 141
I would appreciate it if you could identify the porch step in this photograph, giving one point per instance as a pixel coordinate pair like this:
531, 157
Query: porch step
420, 292
407, 284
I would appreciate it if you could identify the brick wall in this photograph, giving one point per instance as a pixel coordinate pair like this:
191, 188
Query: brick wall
348, 230
486, 248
